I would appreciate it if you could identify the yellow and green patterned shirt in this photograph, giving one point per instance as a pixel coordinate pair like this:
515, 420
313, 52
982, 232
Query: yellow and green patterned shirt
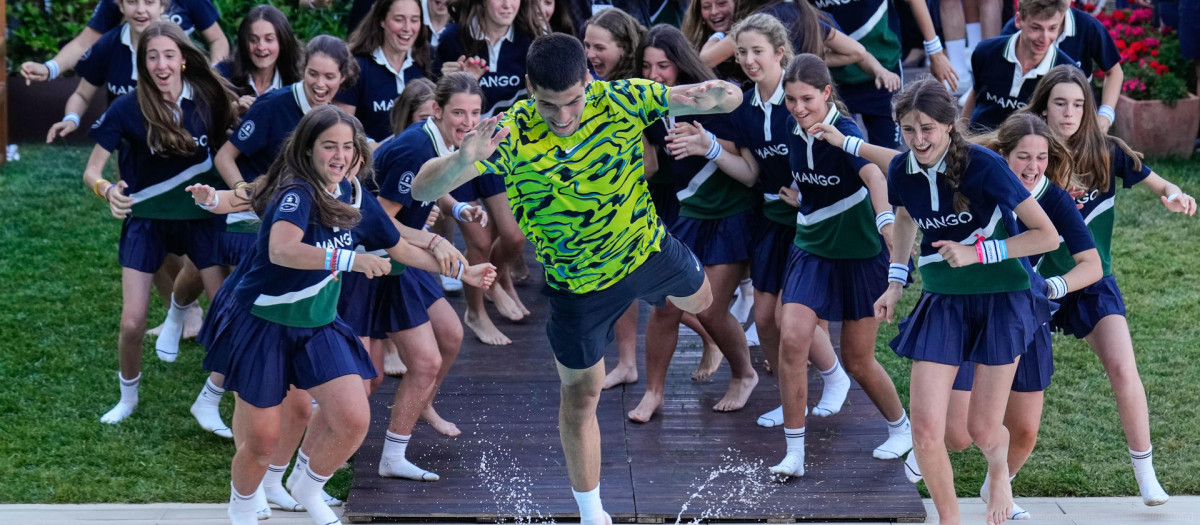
582, 200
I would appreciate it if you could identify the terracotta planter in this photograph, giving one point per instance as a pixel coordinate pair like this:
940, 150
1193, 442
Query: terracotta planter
1156, 129
33, 109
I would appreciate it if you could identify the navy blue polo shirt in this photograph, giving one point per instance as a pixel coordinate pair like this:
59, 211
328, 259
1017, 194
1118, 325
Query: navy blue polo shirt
1084, 39
156, 181
763, 128
111, 63
225, 69
376, 90
265, 126
1000, 89
788, 14
836, 219
703, 190
398, 160
504, 82
1073, 234
187, 14
993, 193
873, 23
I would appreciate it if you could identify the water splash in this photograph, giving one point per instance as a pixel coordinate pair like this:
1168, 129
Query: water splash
511, 487
736, 485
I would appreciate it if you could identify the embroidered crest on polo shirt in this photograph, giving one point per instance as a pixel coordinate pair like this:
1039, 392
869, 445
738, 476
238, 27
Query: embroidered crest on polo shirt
406, 182
246, 130
290, 203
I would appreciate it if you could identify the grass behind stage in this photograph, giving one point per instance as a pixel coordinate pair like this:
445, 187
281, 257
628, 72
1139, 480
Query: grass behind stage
61, 303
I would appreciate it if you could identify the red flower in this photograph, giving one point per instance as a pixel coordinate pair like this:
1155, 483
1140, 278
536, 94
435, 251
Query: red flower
1153, 52
1121, 45
1118, 15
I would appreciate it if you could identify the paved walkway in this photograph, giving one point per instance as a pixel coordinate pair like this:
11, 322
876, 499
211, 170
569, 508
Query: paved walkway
1048, 511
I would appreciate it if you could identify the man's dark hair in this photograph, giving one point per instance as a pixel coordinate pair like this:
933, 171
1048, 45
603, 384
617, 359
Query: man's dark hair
556, 62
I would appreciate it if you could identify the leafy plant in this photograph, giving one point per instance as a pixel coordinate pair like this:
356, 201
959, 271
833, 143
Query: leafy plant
307, 22
1149, 56
38, 28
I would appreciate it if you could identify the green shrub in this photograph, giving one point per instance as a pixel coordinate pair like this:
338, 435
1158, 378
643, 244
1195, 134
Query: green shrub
306, 22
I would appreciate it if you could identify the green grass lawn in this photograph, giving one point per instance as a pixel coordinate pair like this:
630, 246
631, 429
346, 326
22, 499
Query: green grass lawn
61, 304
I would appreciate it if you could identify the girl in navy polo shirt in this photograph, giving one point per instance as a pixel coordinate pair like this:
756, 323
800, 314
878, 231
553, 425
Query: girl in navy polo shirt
267, 56
498, 33
165, 134
391, 47
757, 142
276, 326
1096, 314
963, 198
714, 221
109, 63
610, 42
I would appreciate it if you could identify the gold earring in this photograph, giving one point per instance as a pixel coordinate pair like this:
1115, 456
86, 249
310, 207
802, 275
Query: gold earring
183, 66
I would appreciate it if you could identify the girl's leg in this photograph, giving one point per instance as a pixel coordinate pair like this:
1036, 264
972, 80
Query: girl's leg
418, 348
448, 332
765, 307
928, 401
185, 291
795, 339
343, 420
985, 423
728, 334
375, 350
626, 370
164, 282
508, 246
479, 245
1113, 345
135, 300
858, 354
662, 336
1022, 418
295, 414
257, 430
837, 383
957, 437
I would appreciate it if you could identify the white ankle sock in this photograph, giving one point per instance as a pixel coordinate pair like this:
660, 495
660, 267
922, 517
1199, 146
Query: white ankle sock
272, 487
207, 412
1017, 513
833, 395
752, 338
129, 400
899, 439
773, 418
793, 462
261, 505
591, 509
167, 345
911, 470
393, 463
242, 510
309, 491
297, 473
1143, 469
974, 36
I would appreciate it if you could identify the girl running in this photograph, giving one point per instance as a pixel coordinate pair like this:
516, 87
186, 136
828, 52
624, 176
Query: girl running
267, 55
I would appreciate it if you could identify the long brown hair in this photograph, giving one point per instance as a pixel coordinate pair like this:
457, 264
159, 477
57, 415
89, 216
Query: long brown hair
693, 26
628, 35
807, 33
288, 62
212, 94
294, 164
672, 43
1090, 146
1020, 125
810, 69
369, 35
529, 20
415, 93
931, 98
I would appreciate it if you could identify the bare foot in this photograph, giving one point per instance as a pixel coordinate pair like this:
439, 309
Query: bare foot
155, 331
620, 375
445, 428
645, 410
709, 362
504, 303
485, 330
737, 394
193, 321
516, 299
392, 365
1000, 501
519, 271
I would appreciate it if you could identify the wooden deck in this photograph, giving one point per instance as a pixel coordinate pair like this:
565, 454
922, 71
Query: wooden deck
688, 463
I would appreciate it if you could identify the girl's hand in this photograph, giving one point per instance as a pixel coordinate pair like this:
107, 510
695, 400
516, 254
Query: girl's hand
118, 203
1180, 203
940, 68
887, 79
35, 72
957, 255
371, 265
885, 306
1075, 194
434, 213
244, 102
60, 129
688, 139
480, 276
473, 213
448, 256
203, 194
828, 134
475, 66
790, 196
706, 95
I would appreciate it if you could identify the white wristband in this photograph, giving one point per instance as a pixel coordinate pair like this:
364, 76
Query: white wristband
461, 269
1107, 112
933, 47
884, 219
459, 209
213, 206
718, 36
714, 150
851, 145
71, 117
345, 260
898, 273
52, 65
1057, 287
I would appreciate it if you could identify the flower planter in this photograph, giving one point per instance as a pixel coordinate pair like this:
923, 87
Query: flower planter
1156, 129
34, 108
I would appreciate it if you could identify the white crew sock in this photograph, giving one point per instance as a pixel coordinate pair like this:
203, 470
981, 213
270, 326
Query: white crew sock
1017, 513
129, 400
298, 471
309, 491
261, 505
833, 395
242, 510
167, 345
956, 51
793, 462
911, 470
591, 509
393, 463
974, 36
899, 439
207, 411
1143, 469
744, 302
272, 487
752, 335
